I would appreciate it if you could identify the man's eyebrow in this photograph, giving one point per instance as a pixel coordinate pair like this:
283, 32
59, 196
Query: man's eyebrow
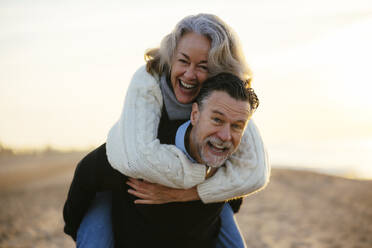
187, 57
220, 113
217, 112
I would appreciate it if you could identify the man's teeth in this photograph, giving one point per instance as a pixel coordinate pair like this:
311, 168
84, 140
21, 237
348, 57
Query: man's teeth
187, 86
220, 147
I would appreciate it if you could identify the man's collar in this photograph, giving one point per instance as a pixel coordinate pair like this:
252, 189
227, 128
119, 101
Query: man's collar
180, 139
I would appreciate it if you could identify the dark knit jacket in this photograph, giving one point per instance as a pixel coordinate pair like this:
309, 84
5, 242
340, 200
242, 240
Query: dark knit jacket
180, 224
194, 223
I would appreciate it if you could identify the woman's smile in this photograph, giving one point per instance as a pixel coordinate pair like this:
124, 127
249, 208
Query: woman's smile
189, 66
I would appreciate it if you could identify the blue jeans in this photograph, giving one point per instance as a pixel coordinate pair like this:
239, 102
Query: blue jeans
95, 230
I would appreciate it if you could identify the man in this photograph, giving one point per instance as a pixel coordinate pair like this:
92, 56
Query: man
218, 119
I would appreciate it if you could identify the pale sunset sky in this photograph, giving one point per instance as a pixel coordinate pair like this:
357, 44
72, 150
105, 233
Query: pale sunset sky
65, 67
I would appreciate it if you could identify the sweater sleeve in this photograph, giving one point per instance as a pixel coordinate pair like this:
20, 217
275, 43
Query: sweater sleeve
132, 144
247, 170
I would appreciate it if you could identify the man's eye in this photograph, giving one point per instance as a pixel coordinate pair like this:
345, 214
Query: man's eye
236, 127
217, 120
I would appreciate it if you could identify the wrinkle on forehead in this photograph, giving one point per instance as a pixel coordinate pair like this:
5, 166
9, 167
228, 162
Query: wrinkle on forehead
222, 103
234, 113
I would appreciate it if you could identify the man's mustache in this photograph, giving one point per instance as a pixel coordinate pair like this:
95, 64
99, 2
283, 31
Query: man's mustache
217, 142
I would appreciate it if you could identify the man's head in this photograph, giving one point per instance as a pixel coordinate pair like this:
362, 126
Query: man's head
219, 117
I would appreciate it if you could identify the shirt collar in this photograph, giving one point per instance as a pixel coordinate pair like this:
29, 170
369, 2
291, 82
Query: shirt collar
180, 139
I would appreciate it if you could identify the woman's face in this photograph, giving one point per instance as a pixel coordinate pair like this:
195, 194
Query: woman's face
189, 66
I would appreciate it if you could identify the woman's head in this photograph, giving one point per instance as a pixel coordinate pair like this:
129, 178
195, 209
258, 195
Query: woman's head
208, 36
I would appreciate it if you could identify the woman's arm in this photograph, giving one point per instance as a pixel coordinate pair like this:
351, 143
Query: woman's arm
249, 173
246, 171
134, 150
132, 144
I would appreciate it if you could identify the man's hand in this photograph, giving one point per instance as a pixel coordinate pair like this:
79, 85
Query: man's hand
152, 193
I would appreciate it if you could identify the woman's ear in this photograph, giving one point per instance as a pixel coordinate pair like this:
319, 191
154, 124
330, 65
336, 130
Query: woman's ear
195, 113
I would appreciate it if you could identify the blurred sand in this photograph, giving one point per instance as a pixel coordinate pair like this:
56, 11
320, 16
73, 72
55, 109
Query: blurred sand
297, 210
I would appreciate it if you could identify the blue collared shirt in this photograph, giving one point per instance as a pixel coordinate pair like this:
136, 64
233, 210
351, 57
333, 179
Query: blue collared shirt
180, 139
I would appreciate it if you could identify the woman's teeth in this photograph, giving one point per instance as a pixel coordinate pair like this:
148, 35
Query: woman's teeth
187, 86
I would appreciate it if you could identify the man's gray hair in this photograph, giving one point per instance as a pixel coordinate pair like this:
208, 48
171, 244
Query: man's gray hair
225, 54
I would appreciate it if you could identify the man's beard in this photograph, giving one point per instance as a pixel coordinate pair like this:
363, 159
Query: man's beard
213, 160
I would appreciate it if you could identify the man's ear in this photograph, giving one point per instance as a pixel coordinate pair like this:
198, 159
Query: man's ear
195, 113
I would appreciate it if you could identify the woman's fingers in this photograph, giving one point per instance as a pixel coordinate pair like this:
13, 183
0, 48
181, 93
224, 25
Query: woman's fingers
140, 195
140, 186
149, 193
139, 201
152, 193
144, 198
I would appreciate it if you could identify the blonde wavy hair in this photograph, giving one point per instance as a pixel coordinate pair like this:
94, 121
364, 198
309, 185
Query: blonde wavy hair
225, 54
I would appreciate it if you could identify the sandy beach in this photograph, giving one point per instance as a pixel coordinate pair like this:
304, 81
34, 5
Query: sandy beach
298, 209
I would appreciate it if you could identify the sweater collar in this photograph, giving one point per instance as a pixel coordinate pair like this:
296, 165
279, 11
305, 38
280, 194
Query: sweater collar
180, 139
175, 109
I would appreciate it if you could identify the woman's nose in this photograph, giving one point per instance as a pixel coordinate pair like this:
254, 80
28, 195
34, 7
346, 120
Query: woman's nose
190, 73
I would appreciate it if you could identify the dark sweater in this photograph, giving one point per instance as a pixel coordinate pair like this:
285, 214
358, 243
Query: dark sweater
181, 224
190, 224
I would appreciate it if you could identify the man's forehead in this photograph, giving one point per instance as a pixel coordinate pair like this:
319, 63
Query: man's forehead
222, 103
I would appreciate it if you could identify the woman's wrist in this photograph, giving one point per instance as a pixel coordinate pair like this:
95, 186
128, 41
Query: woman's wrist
190, 194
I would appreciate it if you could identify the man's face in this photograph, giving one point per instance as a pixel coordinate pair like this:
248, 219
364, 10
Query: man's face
218, 127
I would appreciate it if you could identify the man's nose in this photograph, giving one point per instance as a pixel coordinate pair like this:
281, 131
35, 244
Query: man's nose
224, 133
190, 73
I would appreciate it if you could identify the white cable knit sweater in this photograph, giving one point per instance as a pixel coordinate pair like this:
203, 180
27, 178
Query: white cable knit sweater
134, 150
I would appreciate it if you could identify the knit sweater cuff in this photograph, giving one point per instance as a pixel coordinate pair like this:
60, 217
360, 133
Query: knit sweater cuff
198, 173
206, 192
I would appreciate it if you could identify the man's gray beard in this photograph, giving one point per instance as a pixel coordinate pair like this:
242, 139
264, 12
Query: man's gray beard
217, 161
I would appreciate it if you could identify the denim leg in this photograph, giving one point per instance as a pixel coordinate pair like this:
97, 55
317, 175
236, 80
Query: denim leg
229, 236
95, 230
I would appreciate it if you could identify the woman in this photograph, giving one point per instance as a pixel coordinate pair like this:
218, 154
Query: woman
200, 46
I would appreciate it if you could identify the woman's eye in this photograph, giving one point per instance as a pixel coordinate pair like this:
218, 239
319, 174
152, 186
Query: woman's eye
204, 68
182, 61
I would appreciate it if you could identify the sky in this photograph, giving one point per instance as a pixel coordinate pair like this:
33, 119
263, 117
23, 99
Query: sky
65, 67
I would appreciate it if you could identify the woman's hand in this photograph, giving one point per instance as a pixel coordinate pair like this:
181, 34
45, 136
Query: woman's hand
152, 193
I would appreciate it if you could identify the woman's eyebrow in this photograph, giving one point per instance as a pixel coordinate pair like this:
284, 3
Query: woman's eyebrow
187, 57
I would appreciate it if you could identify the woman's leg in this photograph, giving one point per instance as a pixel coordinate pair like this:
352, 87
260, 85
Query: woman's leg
95, 230
229, 236
93, 174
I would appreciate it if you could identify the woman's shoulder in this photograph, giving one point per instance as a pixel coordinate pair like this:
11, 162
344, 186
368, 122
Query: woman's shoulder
143, 85
142, 78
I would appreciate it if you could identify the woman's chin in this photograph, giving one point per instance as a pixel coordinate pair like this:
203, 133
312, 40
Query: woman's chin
185, 96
